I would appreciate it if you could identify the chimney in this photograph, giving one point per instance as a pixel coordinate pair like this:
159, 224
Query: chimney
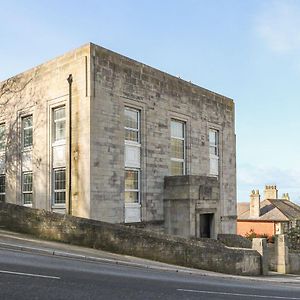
286, 196
254, 204
271, 192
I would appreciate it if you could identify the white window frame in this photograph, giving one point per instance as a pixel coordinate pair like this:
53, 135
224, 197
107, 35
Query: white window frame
27, 128
216, 147
27, 192
182, 160
4, 138
54, 121
134, 190
138, 142
58, 205
3, 193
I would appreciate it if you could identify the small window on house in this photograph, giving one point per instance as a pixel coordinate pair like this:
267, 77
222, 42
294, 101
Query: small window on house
59, 186
2, 137
214, 151
132, 120
2, 188
27, 129
59, 124
132, 190
27, 188
177, 147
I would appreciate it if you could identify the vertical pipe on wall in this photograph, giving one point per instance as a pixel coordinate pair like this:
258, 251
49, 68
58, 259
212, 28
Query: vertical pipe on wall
70, 81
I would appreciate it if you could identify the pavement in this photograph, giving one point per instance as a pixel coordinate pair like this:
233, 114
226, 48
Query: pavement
22, 242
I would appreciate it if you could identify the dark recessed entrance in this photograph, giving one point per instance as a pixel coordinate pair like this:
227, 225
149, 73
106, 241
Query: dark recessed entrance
206, 221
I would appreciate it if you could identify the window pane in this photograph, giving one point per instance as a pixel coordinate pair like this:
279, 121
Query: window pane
2, 197
177, 129
2, 137
59, 120
59, 113
177, 168
131, 180
131, 118
27, 131
27, 182
27, 198
60, 197
27, 122
131, 135
60, 180
213, 137
177, 148
2, 183
59, 186
131, 197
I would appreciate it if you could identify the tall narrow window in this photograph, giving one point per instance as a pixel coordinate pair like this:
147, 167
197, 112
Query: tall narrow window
59, 185
2, 188
59, 124
132, 117
177, 147
27, 188
214, 151
132, 190
2, 137
27, 132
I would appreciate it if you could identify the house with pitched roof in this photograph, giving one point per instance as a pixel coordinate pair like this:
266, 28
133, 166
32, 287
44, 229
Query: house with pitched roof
270, 216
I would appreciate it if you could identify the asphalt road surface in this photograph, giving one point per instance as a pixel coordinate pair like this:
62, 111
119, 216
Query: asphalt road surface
32, 276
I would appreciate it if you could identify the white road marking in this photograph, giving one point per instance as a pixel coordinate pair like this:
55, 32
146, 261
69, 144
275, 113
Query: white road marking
236, 294
28, 274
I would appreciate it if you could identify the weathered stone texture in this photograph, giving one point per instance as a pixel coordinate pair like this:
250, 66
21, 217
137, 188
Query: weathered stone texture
119, 81
204, 254
104, 83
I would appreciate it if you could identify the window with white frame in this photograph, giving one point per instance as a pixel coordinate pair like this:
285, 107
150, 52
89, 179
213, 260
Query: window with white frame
59, 186
2, 137
132, 124
214, 151
177, 147
2, 188
27, 131
132, 189
27, 184
59, 124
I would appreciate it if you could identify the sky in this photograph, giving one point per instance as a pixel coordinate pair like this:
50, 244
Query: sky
248, 50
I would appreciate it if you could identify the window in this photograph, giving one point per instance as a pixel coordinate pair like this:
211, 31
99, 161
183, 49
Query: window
27, 132
2, 137
214, 151
177, 147
132, 190
132, 120
2, 188
59, 124
59, 186
27, 188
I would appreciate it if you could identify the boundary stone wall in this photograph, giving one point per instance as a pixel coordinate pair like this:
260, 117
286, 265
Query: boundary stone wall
235, 240
202, 254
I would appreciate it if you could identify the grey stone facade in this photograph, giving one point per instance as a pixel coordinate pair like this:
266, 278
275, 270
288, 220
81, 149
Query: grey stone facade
104, 83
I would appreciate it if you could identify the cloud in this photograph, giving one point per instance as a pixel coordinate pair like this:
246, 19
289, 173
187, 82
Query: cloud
278, 25
251, 177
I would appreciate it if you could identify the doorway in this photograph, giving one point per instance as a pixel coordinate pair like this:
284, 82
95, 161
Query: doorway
206, 225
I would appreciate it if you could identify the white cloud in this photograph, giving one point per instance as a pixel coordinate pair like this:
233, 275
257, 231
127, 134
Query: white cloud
251, 177
278, 24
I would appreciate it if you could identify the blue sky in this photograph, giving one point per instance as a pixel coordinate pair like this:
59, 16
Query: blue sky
245, 49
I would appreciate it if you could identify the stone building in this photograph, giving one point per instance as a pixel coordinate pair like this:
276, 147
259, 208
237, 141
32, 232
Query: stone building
272, 215
98, 135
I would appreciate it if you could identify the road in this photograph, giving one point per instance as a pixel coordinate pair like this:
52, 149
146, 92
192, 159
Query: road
33, 276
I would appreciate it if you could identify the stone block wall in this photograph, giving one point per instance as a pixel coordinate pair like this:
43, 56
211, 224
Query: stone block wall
118, 81
205, 254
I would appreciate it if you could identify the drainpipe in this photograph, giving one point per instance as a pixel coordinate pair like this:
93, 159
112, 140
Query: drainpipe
70, 80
